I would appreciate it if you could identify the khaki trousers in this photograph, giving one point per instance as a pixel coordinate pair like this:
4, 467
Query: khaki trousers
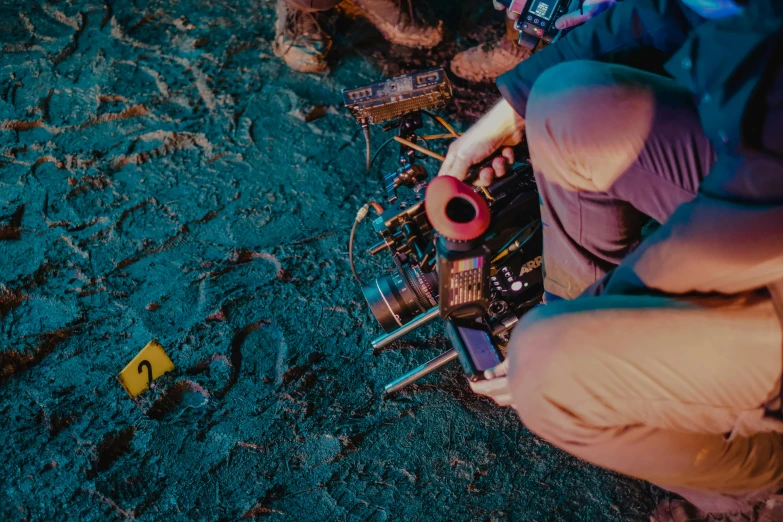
661, 389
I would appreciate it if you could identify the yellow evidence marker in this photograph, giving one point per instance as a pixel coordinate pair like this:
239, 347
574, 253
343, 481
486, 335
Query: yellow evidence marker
149, 364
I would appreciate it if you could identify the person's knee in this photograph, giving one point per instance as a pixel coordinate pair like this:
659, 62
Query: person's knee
587, 123
545, 354
554, 120
535, 348
561, 90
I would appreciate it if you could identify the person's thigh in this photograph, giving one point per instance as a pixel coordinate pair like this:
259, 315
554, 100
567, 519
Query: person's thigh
600, 127
609, 145
658, 389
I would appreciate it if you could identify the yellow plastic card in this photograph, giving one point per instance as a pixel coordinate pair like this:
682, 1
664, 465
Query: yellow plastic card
149, 364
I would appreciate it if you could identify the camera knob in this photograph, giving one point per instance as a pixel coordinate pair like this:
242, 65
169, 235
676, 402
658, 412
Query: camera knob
497, 308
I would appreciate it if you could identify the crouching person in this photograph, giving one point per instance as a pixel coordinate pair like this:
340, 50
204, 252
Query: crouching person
660, 359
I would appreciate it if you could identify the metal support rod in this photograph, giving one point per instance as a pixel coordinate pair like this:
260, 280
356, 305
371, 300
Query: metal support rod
419, 148
420, 320
416, 374
380, 247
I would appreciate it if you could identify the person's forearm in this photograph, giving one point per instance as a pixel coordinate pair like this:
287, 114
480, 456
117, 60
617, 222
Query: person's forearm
501, 125
501, 121
707, 246
728, 240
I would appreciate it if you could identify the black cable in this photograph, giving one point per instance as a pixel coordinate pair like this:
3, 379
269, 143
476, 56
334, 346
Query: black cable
380, 149
517, 236
528, 238
426, 142
372, 160
529, 303
426, 145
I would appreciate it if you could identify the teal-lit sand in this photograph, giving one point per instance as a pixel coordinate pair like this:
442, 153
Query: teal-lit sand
158, 181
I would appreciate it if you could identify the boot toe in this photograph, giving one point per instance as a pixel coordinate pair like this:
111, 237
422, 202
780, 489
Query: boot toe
486, 62
307, 57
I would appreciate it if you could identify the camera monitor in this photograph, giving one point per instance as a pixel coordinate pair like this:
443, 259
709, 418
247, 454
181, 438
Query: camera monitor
475, 350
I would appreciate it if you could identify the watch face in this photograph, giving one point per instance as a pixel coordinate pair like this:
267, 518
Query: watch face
543, 9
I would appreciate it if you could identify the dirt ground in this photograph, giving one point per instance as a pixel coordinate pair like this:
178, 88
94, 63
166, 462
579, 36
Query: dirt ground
159, 179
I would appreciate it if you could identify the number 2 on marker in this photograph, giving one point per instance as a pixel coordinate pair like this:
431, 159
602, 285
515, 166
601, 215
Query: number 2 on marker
146, 363
152, 358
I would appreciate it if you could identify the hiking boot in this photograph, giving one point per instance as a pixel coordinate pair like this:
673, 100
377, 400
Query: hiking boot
397, 22
300, 39
684, 511
770, 510
487, 61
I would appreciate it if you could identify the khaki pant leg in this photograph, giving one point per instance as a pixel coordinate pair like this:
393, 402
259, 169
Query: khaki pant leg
660, 390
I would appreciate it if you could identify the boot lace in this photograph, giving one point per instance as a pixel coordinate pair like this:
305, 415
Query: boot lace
299, 23
401, 12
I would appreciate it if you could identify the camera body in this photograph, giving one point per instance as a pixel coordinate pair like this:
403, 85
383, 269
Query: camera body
480, 287
469, 256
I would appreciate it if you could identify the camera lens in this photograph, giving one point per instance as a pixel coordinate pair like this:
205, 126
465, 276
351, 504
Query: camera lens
396, 299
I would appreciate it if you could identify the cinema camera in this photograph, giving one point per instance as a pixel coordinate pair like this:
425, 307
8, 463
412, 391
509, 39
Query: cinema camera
471, 256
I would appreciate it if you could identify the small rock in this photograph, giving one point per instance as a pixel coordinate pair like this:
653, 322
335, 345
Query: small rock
217, 316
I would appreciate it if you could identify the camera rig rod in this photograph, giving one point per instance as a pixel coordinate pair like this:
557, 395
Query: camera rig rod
417, 373
420, 320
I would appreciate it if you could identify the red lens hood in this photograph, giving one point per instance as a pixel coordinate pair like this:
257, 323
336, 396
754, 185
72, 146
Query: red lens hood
455, 210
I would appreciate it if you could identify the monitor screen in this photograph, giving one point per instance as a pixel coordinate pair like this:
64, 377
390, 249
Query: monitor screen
543, 9
480, 348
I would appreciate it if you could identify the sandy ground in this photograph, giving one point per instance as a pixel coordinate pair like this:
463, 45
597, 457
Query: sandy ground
158, 181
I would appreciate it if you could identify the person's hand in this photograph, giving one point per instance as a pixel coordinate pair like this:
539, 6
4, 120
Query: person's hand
473, 148
590, 9
501, 126
513, 12
496, 385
